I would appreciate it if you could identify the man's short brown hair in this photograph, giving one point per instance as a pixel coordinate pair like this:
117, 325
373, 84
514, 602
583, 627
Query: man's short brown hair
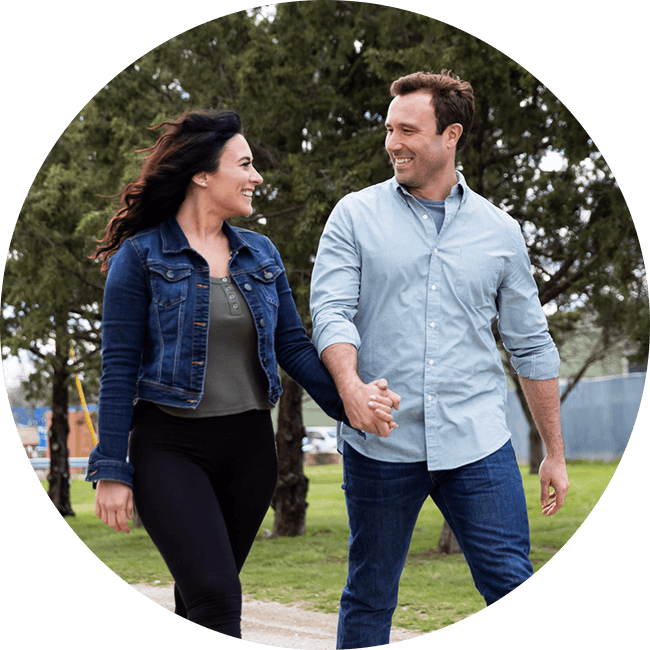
452, 99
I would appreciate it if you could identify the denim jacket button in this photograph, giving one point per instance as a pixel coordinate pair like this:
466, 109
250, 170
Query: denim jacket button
262, 322
170, 274
247, 287
268, 275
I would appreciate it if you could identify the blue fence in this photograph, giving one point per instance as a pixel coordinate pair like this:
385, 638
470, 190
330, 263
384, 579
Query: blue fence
597, 417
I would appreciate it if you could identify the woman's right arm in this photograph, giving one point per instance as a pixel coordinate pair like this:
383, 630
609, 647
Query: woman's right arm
124, 321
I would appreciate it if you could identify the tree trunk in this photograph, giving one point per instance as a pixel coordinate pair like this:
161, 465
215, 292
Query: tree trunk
290, 498
447, 543
59, 475
536, 446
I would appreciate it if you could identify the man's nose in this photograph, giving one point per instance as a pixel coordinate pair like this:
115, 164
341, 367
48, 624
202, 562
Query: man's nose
393, 143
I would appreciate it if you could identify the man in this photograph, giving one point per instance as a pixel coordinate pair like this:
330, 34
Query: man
409, 277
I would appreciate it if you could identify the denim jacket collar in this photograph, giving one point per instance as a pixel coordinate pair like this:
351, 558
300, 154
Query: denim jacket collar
175, 241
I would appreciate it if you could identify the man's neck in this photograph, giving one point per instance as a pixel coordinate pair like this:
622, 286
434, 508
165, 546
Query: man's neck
438, 189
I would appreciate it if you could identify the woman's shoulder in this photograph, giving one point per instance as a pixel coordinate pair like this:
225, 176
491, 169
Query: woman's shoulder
137, 246
256, 239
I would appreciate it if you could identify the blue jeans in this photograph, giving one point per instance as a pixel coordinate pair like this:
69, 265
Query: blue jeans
483, 503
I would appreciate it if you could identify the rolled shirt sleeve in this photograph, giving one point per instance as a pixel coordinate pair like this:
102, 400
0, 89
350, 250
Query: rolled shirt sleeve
522, 322
335, 283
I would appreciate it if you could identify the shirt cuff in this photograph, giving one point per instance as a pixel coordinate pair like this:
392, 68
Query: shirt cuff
335, 332
539, 367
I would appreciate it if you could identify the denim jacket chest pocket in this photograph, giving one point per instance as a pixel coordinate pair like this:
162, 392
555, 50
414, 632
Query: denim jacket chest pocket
169, 283
264, 279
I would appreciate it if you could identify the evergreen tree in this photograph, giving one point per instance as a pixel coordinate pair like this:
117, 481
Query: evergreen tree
311, 80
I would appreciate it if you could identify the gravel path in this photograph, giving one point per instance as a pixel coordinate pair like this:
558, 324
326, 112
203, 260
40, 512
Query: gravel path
274, 624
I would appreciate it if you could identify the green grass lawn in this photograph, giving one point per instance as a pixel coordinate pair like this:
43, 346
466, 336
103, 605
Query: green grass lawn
435, 590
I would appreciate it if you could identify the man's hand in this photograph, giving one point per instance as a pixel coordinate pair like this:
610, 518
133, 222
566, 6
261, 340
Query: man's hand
369, 407
553, 474
114, 504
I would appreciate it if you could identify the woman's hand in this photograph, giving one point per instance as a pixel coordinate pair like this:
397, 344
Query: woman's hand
114, 504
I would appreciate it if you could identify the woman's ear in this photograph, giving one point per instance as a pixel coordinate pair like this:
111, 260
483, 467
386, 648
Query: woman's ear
200, 179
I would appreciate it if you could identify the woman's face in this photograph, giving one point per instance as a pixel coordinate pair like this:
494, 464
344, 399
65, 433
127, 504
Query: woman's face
231, 187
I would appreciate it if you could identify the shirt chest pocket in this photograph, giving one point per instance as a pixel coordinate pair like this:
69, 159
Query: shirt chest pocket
169, 284
478, 278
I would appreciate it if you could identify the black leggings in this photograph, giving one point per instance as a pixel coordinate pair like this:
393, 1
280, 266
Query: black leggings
202, 487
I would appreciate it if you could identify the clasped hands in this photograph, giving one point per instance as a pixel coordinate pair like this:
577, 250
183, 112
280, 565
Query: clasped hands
369, 407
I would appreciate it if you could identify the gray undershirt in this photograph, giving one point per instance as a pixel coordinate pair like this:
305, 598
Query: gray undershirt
234, 379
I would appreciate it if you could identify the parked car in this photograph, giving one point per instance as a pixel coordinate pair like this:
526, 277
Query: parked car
319, 439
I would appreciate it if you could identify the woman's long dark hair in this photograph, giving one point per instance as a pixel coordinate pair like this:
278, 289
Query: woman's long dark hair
191, 144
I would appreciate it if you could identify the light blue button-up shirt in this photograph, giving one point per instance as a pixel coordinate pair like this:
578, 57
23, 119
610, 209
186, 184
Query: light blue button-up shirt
418, 305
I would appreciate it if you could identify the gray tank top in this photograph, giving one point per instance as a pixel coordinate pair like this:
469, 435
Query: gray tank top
234, 379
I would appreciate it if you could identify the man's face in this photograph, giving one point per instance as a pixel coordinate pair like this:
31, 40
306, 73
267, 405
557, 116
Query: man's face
412, 141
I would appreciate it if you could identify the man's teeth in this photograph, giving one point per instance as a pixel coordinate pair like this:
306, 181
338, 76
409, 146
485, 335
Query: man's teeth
400, 161
247, 193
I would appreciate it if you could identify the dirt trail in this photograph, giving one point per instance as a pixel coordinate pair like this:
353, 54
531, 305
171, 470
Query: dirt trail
274, 624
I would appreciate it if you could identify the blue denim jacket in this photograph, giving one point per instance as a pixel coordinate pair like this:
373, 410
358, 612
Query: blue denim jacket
155, 323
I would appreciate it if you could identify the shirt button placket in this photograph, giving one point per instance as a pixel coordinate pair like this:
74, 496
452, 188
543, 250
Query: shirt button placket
432, 347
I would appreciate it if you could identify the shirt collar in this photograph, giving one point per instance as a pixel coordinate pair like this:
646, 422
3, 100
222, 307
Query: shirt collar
460, 189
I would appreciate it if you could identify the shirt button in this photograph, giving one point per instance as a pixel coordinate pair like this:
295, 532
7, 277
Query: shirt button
431, 362
432, 325
433, 287
224, 279
425, 216
429, 398
435, 250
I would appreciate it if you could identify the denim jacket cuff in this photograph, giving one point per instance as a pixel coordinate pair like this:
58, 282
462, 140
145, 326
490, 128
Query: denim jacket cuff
110, 470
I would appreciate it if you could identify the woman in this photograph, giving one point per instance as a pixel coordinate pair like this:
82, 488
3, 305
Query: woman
197, 315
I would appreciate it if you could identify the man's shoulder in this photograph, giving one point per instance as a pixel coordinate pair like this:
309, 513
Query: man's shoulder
488, 210
369, 196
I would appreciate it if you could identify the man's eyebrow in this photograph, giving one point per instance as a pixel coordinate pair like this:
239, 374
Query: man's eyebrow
404, 125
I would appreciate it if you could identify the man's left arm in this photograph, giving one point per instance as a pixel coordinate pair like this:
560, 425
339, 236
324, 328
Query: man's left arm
543, 397
535, 359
